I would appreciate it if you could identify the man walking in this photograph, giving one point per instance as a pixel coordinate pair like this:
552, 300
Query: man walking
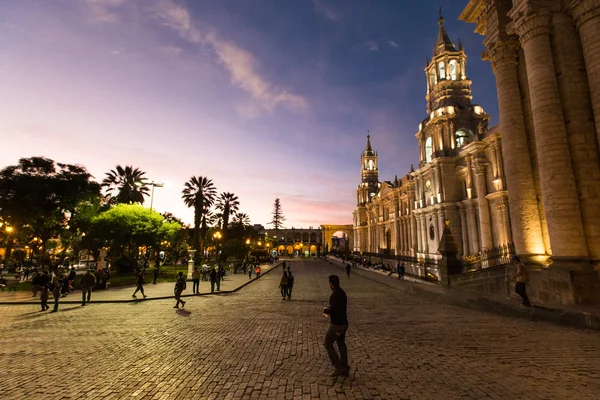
336, 311
179, 288
140, 284
522, 278
88, 281
290, 284
283, 285
155, 272
348, 268
196, 281
213, 280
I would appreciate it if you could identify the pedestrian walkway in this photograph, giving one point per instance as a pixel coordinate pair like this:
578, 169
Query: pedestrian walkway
123, 294
584, 317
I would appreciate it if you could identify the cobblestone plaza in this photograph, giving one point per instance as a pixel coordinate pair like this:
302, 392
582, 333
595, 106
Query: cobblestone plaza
253, 345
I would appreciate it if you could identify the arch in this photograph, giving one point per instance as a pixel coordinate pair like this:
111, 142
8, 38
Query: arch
289, 238
453, 70
305, 237
297, 236
313, 250
442, 70
428, 149
290, 250
388, 240
313, 237
328, 231
462, 137
371, 165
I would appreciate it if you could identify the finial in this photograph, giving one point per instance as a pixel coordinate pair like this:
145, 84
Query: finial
412, 168
441, 20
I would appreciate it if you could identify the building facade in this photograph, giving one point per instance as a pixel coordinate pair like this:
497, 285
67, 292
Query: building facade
530, 185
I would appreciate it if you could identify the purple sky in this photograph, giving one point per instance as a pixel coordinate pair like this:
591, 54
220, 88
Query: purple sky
267, 98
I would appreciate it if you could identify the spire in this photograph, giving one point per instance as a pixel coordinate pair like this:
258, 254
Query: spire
460, 45
369, 150
443, 43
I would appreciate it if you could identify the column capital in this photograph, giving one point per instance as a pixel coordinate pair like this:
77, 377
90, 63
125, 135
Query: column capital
478, 165
529, 23
583, 10
501, 52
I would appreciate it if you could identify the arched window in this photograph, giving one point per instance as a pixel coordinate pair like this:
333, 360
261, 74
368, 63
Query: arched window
371, 165
428, 149
432, 79
463, 137
442, 68
453, 70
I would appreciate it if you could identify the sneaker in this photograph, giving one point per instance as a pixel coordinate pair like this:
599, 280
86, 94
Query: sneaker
183, 304
176, 307
145, 296
134, 296
334, 374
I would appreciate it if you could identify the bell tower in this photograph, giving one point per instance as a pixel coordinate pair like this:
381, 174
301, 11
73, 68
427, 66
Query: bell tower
369, 184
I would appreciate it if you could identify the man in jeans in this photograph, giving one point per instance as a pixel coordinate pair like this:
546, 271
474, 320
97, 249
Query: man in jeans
522, 278
336, 311
88, 281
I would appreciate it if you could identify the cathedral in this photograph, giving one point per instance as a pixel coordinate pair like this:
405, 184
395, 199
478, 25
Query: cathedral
529, 186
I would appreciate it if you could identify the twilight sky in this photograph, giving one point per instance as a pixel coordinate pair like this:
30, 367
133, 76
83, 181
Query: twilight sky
268, 98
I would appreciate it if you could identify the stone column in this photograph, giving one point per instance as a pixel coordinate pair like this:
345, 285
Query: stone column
581, 131
413, 234
485, 226
418, 234
526, 227
472, 227
586, 14
465, 238
441, 224
397, 236
436, 227
559, 192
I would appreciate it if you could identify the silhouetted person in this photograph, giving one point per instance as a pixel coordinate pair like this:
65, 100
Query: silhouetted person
155, 273
283, 285
290, 284
88, 281
348, 269
522, 278
196, 281
140, 284
179, 288
213, 279
336, 311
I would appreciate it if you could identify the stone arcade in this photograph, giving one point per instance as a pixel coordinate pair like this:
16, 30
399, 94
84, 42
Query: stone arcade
530, 185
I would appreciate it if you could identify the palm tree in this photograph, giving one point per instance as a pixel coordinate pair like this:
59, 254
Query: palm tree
228, 204
242, 219
199, 192
128, 184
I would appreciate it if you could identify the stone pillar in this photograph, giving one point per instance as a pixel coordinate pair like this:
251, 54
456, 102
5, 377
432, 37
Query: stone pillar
559, 192
413, 234
472, 227
485, 226
425, 228
465, 238
440, 226
524, 212
436, 227
418, 234
581, 131
397, 236
586, 14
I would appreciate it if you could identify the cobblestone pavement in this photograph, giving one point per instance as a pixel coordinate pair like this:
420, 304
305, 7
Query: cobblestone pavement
253, 345
231, 282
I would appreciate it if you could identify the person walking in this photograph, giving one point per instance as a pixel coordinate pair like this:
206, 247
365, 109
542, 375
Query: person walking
348, 268
249, 271
155, 272
88, 282
283, 285
290, 284
196, 281
56, 292
521, 277
44, 298
179, 288
336, 311
257, 271
402, 271
140, 284
26, 274
213, 279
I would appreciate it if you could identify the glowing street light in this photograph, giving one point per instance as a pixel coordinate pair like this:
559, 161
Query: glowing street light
154, 184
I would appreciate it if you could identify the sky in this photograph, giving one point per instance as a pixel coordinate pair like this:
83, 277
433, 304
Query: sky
268, 98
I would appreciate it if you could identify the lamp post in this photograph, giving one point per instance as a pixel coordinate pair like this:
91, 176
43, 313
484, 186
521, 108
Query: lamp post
217, 236
8, 230
154, 184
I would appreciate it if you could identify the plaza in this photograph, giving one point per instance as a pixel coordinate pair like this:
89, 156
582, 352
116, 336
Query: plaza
252, 345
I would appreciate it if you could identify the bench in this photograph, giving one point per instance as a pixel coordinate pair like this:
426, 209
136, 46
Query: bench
10, 285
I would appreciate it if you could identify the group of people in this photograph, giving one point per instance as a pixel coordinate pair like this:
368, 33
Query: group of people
58, 286
287, 283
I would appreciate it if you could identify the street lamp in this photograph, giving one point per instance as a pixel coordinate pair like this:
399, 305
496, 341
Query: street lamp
217, 236
8, 230
154, 184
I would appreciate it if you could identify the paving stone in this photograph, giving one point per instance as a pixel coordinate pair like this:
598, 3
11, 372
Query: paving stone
253, 345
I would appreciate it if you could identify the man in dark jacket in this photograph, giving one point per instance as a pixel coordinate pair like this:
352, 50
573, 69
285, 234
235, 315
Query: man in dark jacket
336, 311
213, 279
290, 284
88, 281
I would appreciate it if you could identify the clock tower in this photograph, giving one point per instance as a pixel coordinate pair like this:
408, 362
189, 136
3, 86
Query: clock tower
369, 184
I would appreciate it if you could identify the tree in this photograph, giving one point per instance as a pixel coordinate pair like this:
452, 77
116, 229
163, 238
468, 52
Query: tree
125, 185
242, 219
278, 217
199, 192
126, 228
228, 204
41, 196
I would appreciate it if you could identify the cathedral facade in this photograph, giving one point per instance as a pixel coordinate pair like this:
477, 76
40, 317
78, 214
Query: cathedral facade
530, 185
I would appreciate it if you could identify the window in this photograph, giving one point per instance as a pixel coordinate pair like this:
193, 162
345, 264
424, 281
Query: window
463, 137
453, 72
371, 165
442, 69
428, 149
432, 79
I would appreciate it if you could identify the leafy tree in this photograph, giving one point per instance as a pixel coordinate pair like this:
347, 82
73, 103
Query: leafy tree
41, 196
127, 227
278, 217
199, 192
242, 219
228, 204
125, 185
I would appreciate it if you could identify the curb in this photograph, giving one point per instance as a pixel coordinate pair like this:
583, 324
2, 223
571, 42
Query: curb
222, 292
477, 301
